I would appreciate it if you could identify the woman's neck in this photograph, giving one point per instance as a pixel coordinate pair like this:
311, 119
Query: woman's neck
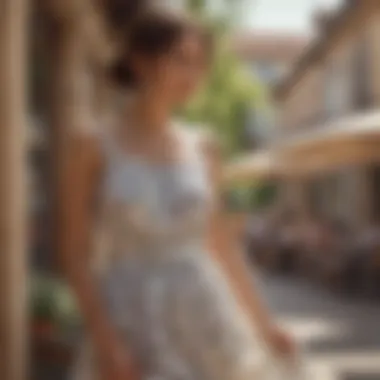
150, 114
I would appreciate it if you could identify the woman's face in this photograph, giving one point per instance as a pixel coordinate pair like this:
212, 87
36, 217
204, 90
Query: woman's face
175, 76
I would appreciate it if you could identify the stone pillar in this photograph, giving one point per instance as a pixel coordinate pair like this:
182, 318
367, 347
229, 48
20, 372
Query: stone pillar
13, 262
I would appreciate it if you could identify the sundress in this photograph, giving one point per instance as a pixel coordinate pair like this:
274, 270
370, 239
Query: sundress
163, 291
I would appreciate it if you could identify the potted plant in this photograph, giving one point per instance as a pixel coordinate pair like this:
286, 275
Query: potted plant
53, 320
43, 309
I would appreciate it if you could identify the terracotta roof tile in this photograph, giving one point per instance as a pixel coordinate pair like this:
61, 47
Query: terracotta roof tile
276, 46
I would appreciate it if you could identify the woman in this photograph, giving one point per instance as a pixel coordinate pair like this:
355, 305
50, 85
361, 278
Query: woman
168, 299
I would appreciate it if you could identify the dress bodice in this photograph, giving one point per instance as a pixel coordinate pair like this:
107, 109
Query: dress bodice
149, 208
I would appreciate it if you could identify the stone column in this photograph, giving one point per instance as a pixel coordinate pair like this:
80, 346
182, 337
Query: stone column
13, 262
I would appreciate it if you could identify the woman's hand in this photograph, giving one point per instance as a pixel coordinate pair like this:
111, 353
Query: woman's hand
117, 364
281, 342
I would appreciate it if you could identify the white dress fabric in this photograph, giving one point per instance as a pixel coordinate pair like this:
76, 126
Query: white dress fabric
163, 292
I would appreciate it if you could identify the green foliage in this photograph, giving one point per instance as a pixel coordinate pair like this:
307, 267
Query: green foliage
41, 300
237, 199
262, 195
51, 301
230, 91
196, 5
265, 194
250, 196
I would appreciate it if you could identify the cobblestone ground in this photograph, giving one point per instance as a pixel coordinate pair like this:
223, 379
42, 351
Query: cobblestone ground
341, 335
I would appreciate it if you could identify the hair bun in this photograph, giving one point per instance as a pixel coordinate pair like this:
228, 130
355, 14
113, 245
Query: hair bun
151, 34
120, 13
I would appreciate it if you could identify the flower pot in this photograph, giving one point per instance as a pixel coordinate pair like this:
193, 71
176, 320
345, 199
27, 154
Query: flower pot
43, 329
49, 348
50, 358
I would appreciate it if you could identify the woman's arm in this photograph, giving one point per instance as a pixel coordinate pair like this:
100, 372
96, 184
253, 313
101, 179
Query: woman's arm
81, 173
81, 177
225, 247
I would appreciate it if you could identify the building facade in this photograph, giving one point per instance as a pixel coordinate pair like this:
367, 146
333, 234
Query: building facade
337, 77
269, 57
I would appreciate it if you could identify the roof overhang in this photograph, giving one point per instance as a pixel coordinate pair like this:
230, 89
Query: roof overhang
353, 140
339, 24
348, 141
261, 165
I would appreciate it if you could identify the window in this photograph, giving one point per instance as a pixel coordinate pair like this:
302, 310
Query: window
267, 71
362, 98
336, 94
330, 87
324, 195
261, 124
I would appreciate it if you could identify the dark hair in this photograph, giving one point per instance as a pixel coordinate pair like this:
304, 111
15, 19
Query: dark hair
119, 13
152, 35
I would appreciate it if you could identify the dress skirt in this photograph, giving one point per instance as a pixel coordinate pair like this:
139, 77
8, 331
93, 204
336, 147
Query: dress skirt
181, 320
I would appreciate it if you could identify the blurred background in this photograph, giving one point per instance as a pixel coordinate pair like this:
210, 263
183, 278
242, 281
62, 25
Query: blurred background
294, 95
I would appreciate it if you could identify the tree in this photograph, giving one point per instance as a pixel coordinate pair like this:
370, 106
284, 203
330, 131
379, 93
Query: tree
230, 91
197, 5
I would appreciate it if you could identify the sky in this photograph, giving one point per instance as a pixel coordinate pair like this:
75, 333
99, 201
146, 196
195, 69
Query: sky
288, 15
293, 16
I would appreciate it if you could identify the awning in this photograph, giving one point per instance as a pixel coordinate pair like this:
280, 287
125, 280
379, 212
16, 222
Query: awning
347, 141
359, 126
261, 165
